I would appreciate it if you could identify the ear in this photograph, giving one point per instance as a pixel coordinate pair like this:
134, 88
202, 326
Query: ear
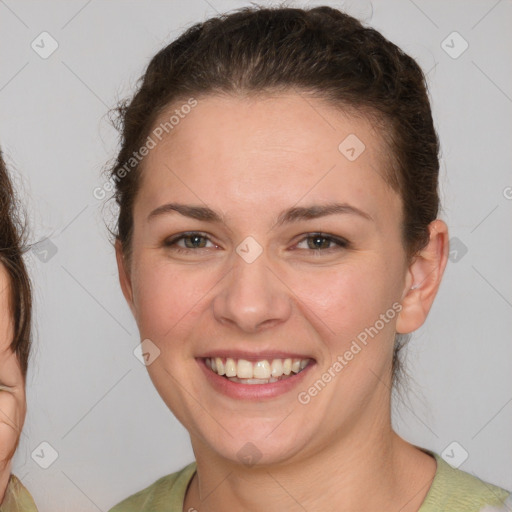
124, 276
423, 279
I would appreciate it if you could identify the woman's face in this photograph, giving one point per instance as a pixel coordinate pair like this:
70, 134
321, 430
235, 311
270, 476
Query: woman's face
258, 284
12, 385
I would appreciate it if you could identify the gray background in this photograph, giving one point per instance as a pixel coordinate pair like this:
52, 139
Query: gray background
88, 396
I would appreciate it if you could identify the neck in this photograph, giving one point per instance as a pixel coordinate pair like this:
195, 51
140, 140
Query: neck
339, 476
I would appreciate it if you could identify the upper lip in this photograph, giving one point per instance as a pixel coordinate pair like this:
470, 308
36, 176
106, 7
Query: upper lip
253, 356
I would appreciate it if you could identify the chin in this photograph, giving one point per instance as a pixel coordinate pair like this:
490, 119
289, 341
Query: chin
254, 446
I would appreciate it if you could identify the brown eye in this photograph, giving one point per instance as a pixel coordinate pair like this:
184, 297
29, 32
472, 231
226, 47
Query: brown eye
191, 242
322, 242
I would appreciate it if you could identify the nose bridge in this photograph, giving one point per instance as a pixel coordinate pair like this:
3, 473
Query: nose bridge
253, 295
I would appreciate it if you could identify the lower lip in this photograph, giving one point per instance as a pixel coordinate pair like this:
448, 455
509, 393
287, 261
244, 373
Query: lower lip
252, 391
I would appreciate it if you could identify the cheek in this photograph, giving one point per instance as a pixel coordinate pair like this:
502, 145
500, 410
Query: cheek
345, 298
339, 301
167, 298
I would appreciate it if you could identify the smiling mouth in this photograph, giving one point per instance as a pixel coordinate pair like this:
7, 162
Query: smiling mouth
260, 372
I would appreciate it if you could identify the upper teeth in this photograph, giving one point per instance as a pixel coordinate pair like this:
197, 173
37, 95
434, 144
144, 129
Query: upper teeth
262, 369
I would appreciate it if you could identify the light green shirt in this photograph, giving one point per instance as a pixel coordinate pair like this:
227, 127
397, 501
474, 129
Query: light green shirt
17, 498
451, 490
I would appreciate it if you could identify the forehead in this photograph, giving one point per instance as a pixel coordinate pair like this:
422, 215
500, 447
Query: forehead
267, 150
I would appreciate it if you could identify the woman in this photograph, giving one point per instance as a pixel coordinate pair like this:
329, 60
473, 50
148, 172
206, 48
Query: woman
277, 235
15, 315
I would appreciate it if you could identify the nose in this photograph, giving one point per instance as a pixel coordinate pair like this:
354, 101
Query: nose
253, 296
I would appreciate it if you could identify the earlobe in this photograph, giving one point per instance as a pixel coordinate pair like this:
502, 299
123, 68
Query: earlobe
423, 279
124, 276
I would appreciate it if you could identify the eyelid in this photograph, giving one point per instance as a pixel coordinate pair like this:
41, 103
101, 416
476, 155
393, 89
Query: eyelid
339, 241
171, 241
177, 236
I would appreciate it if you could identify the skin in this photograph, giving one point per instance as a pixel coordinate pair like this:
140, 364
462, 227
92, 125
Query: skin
249, 159
12, 388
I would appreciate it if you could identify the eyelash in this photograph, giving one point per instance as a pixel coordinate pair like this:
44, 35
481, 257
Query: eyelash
171, 243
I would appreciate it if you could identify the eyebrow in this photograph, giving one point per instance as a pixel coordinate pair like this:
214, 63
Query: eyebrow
288, 216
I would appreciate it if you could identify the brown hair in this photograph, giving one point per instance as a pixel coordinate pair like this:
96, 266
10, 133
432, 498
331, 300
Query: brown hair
321, 51
12, 243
